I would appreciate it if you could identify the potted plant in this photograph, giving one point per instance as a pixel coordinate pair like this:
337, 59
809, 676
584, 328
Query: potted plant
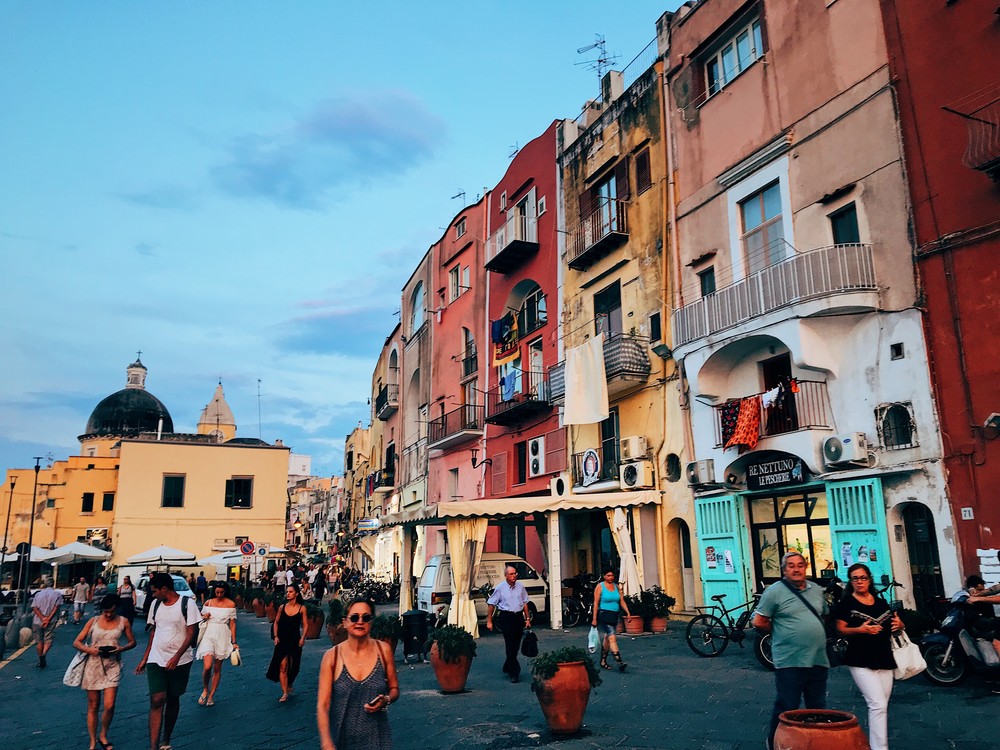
452, 650
272, 601
636, 623
387, 628
657, 603
562, 680
335, 622
237, 591
257, 599
314, 620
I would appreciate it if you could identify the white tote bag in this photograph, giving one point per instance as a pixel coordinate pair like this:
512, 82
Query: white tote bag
909, 660
74, 672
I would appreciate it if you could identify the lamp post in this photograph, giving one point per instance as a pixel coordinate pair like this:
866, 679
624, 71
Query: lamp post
31, 535
6, 528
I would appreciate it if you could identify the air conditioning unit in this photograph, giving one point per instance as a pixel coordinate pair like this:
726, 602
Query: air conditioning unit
561, 485
536, 457
851, 448
701, 472
633, 447
637, 475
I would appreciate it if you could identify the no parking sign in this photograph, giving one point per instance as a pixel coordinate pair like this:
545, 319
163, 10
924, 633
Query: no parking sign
247, 548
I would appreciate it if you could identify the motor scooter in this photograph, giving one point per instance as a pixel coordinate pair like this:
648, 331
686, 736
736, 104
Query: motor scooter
955, 650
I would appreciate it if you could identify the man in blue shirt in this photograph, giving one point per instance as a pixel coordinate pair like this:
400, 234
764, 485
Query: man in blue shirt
798, 639
45, 606
511, 599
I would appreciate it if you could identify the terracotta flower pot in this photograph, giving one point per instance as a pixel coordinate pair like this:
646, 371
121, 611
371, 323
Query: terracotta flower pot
314, 625
634, 625
337, 633
258, 607
271, 611
620, 626
658, 624
238, 600
451, 675
819, 729
564, 698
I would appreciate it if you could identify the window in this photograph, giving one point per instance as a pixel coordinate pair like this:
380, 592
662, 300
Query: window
503, 201
87, 505
521, 462
50, 502
608, 310
239, 492
173, 491
454, 287
610, 439
460, 228
453, 484
707, 280
470, 359
655, 330
844, 224
736, 53
896, 426
541, 205
350, 460
643, 179
533, 313
108, 502
763, 237
465, 285
417, 311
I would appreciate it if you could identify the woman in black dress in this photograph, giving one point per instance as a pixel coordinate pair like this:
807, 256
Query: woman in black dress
126, 594
289, 638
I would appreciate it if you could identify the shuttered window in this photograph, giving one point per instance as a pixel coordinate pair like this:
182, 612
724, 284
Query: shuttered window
643, 178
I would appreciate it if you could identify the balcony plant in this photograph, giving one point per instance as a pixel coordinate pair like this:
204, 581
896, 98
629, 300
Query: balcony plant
562, 681
452, 649
656, 606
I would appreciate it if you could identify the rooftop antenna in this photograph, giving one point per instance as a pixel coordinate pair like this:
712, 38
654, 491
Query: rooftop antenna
258, 411
513, 150
460, 194
603, 60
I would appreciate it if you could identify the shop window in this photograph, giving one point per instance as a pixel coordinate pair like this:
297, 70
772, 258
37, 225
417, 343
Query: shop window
780, 524
896, 426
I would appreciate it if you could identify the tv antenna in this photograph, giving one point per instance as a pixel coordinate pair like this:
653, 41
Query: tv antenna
513, 150
603, 60
459, 194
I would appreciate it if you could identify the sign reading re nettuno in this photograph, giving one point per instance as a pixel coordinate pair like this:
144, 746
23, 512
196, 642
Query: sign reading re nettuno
779, 472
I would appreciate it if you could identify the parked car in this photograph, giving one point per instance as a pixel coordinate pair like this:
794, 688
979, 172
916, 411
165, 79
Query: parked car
142, 590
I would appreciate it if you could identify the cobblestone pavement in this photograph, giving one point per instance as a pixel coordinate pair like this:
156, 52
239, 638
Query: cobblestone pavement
668, 698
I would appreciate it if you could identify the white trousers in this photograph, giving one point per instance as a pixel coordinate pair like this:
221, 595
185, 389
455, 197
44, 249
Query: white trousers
876, 686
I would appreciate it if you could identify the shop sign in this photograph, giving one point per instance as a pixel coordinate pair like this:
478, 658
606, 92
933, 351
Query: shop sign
368, 524
591, 467
780, 472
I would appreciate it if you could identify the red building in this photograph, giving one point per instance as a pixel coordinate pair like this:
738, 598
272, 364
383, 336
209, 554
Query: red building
943, 57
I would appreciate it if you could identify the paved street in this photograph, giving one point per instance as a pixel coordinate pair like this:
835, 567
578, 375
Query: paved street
668, 699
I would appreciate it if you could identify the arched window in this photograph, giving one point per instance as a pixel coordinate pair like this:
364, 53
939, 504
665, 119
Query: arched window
896, 427
417, 311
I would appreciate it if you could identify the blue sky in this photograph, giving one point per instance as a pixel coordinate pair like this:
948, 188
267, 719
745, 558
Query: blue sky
240, 189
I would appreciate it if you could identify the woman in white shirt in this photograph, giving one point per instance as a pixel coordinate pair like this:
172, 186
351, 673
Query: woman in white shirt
216, 640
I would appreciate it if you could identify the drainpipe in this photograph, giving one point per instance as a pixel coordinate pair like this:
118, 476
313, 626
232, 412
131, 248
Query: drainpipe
666, 192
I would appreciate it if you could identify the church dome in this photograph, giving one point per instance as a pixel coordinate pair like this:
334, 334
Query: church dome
129, 411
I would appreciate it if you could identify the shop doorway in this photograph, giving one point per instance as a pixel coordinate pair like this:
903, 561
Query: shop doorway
781, 523
925, 565
687, 565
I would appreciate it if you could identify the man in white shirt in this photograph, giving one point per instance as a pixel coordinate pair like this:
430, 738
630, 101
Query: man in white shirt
168, 657
280, 578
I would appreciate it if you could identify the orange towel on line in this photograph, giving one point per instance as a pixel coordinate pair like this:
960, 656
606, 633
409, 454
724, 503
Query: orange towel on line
747, 430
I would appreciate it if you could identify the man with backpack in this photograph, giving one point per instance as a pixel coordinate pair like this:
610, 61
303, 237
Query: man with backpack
167, 660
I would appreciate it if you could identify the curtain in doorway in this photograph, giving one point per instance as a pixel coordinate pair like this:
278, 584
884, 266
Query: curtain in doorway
628, 578
465, 541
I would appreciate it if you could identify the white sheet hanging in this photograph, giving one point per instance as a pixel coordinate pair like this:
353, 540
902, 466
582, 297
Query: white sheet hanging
628, 578
586, 383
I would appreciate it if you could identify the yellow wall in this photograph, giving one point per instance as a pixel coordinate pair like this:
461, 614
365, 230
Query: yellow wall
141, 521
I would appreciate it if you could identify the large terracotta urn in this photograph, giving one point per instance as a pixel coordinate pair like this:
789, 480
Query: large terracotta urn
634, 625
271, 611
819, 729
337, 632
314, 624
564, 697
451, 675
658, 624
259, 608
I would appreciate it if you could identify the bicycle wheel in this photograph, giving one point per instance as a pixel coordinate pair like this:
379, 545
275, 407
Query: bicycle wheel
572, 612
707, 635
762, 650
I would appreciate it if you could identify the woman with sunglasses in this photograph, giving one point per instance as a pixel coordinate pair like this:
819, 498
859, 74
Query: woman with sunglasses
867, 624
289, 638
357, 682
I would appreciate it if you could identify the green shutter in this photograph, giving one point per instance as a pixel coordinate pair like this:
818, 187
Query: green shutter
721, 526
857, 517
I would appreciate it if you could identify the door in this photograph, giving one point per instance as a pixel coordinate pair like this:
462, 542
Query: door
687, 565
721, 530
782, 416
536, 367
857, 526
925, 564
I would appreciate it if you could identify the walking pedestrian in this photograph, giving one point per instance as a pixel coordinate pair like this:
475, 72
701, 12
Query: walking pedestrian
289, 638
798, 638
99, 591
866, 622
167, 660
218, 642
357, 683
201, 588
126, 596
193, 583
608, 605
45, 606
81, 595
319, 586
511, 599
100, 639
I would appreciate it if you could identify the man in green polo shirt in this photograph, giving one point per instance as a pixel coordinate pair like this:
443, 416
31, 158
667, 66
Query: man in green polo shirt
798, 639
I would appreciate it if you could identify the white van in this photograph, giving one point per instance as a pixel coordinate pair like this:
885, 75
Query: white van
434, 588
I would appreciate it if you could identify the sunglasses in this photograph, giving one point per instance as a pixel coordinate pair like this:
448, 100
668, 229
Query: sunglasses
859, 578
360, 618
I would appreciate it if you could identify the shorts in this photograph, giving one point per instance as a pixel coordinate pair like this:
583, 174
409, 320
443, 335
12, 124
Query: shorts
605, 630
78, 606
174, 683
46, 634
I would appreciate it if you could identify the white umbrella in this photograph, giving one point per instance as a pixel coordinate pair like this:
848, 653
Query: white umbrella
38, 554
223, 558
163, 556
74, 551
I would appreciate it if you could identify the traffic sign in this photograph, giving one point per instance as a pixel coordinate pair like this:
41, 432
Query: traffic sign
262, 550
249, 559
247, 548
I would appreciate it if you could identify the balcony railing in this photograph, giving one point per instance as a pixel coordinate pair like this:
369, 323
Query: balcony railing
514, 242
524, 397
598, 234
626, 363
387, 401
413, 463
457, 426
607, 473
836, 269
470, 363
807, 409
383, 480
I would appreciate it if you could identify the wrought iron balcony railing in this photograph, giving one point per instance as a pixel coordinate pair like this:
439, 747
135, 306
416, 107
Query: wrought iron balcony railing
457, 426
598, 234
513, 243
807, 409
524, 395
387, 401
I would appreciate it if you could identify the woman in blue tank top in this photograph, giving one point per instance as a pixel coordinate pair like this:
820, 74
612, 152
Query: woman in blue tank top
608, 605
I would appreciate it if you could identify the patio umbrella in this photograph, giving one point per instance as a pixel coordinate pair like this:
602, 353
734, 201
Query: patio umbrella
163, 555
223, 558
74, 551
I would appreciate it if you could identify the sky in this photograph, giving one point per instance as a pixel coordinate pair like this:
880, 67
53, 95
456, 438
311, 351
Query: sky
241, 189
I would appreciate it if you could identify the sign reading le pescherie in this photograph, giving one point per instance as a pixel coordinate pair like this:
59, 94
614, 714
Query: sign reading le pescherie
777, 473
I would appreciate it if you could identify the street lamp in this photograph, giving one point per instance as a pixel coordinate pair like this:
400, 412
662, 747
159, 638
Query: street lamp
6, 528
31, 535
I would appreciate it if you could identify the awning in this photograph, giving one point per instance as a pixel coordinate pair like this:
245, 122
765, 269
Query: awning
499, 507
367, 546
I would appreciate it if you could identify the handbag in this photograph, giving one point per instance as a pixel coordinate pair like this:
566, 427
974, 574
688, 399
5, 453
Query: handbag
202, 629
836, 647
529, 644
593, 640
234, 658
909, 660
74, 672
607, 617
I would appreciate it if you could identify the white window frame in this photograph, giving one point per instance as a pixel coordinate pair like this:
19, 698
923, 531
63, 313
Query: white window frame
460, 228
541, 206
776, 170
454, 284
503, 201
729, 45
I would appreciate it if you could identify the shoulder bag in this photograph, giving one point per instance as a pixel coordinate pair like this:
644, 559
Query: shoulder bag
836, 647
74, 672
909, 661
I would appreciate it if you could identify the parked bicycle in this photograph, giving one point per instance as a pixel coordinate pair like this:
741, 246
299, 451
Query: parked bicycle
709, 634
578, 607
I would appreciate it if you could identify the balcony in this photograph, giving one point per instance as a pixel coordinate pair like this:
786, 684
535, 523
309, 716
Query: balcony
383, 480
626, 366
981, 112
598, 234
512, 244
387, 401
526, 397
805, 410
608, 471
456, 427
824, 272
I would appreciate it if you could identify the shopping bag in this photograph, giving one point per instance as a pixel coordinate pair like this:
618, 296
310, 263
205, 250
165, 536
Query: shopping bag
529, 644
74, 672
909, 660
593, 640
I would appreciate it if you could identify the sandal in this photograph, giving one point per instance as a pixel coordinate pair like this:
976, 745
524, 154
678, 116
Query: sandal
202, 699
604, 663
283, 698
106, 745
210, 702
